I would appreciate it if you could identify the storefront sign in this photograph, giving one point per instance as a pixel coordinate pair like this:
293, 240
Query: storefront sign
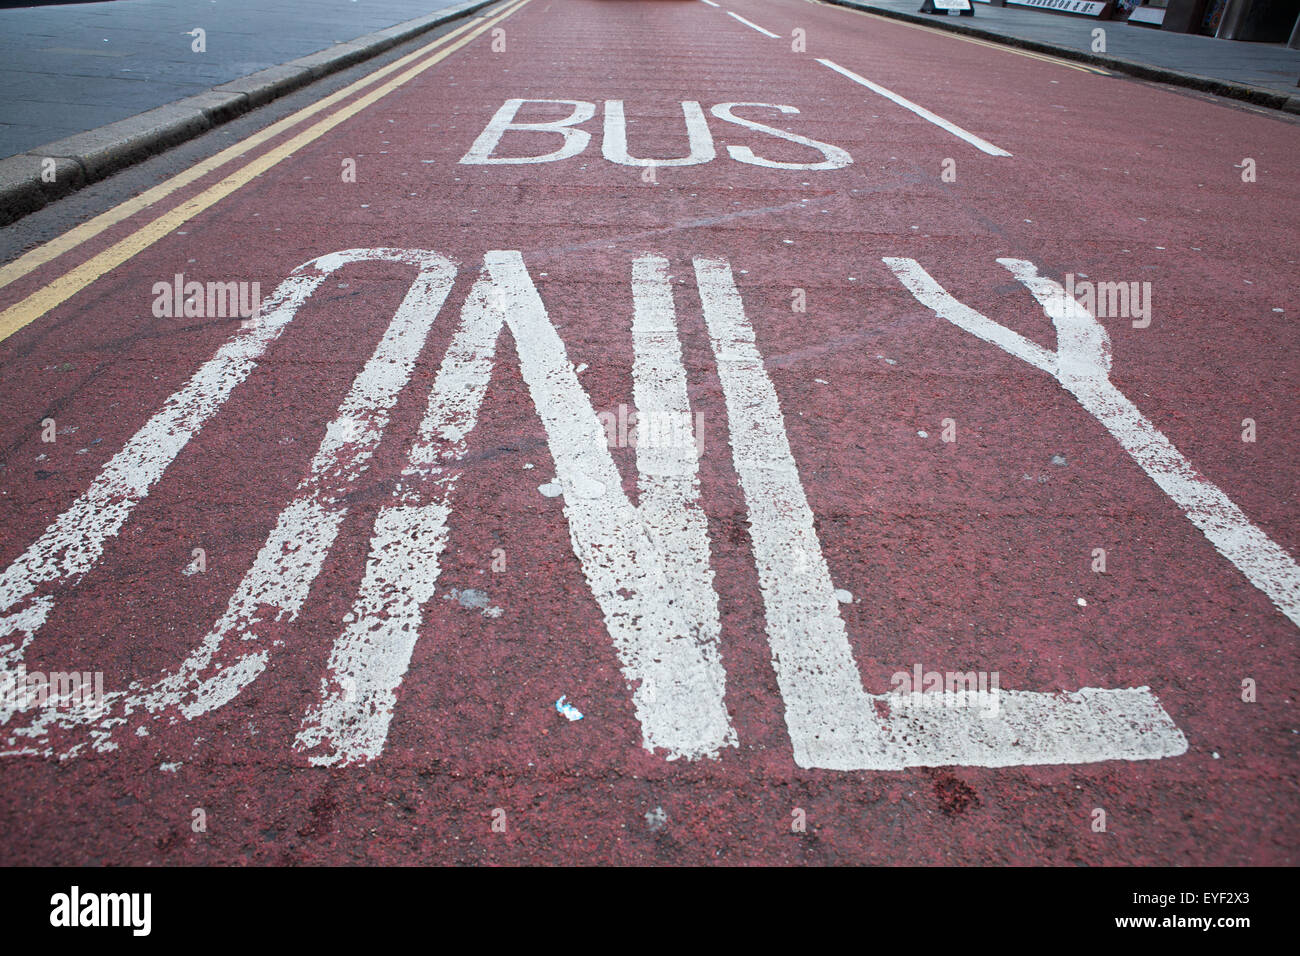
1088, 8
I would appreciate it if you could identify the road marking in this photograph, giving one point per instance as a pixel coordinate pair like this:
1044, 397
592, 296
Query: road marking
981, 144
833, 723
277, 584
836, 158
810, 648
614, 142
369, 659
752, 25
613, 145
1081, 364
647, 567
503, 121
1041, 57
56, 247
70, 283
669, 507
678, 697
75, 541
712, 4
952, 35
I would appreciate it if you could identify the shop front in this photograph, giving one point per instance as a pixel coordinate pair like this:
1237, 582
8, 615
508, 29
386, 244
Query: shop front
1259, 21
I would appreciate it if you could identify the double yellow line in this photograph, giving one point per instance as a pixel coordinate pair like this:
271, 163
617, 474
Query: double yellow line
70, 283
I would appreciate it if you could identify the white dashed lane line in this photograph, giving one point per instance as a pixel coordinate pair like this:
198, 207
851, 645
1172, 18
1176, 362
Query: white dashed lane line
978, 142
752, 25
981, 144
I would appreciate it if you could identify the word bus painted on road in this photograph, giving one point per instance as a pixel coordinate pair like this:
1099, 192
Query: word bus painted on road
574, 140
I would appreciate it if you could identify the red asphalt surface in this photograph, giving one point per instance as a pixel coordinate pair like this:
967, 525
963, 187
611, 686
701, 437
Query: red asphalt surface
955, 560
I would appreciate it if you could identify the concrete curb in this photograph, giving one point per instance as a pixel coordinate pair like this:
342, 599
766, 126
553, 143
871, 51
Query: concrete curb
77, 161
1145, 71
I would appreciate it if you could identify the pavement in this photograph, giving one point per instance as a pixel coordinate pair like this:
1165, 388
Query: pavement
68, 68
29, 181
380, 568
1263, 66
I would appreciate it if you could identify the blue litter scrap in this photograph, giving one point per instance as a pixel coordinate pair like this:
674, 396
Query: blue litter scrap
568, 710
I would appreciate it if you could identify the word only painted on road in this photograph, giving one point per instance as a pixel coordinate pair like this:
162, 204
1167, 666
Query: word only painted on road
574, 140
648, 563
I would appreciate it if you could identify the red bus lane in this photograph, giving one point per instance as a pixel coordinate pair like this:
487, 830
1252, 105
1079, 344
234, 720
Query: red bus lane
665, 435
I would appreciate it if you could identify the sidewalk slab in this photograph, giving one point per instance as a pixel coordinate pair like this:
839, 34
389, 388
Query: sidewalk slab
92, 154
1261, 73
67, 68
